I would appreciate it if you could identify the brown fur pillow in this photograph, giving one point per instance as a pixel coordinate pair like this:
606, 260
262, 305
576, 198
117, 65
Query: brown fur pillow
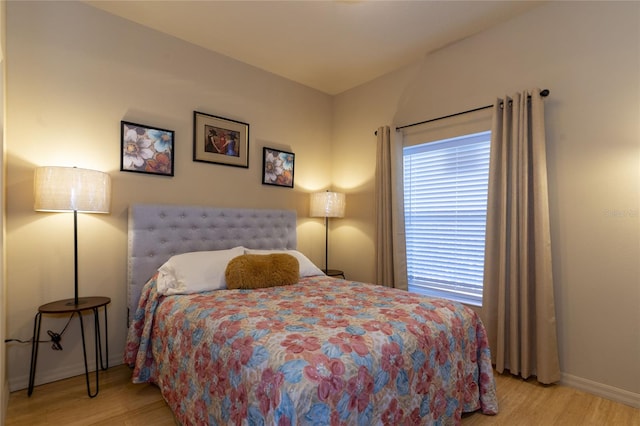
260, 270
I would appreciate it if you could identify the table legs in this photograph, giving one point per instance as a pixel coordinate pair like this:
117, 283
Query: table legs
104, 364
34, 351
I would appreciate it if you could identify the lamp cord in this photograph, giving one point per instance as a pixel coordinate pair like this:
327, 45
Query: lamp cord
55, 337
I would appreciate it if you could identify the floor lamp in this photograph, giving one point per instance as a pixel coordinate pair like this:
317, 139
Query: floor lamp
70, 189
327, 204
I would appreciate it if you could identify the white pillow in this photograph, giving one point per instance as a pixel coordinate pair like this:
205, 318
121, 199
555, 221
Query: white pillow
307, 268
195, 272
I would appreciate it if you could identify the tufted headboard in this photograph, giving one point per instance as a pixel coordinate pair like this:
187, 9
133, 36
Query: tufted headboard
157, 232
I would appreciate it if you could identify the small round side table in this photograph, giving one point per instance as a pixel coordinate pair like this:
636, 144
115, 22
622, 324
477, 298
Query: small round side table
334, 273
69, 306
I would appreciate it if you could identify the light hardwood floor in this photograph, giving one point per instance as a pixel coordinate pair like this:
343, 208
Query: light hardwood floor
120, 402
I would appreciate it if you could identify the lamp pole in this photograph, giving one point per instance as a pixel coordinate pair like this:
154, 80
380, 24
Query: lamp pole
326, 244
75, 257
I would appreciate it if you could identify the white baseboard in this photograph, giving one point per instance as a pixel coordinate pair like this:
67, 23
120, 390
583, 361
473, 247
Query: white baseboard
605, 391
48, 376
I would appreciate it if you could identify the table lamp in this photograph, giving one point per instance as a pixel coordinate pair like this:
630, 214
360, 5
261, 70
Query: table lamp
327, 204
71, 189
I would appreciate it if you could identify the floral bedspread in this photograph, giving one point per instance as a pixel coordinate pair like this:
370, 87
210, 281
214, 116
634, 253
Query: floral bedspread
321, 352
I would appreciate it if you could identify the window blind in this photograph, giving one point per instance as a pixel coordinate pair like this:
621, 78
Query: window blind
445, 187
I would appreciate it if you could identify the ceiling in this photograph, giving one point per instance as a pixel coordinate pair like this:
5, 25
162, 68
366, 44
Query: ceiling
331, 46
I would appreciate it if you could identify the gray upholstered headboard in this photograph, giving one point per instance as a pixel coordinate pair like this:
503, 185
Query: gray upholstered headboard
157, 232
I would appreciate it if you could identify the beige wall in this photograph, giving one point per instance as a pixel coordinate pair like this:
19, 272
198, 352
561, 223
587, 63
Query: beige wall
588, 55
73, 73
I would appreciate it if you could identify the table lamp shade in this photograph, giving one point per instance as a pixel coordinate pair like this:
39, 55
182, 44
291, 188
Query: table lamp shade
327, 204
64, 189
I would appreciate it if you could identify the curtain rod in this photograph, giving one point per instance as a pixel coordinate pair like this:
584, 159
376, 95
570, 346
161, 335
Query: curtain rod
544, 93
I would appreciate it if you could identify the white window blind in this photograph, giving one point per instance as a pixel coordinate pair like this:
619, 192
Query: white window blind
445, 202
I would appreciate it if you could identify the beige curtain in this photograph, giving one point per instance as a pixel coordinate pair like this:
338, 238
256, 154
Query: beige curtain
518, 301
391, 263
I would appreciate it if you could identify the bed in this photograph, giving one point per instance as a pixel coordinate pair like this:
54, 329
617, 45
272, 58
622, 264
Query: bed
322, 350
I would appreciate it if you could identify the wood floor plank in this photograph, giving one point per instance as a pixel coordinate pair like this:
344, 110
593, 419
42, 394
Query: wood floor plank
65, 402
120, 402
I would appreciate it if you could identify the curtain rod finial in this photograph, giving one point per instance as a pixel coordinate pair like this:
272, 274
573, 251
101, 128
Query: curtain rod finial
544, 92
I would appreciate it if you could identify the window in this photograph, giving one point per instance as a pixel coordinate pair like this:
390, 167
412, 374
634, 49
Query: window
445, 205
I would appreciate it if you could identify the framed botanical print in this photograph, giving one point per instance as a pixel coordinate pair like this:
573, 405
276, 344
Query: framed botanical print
277, 167
146, 149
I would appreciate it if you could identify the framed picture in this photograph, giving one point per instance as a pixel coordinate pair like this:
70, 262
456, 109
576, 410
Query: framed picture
277, 167
220, 140
146, 149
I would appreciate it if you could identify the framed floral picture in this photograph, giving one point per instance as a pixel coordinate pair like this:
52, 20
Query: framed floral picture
146, 149
277, 167
220, 140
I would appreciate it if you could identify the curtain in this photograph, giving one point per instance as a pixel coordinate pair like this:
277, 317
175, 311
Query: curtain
391, 263
518, 298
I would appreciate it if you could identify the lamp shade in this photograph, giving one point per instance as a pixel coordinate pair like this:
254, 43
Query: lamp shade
327, 204
64, 189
